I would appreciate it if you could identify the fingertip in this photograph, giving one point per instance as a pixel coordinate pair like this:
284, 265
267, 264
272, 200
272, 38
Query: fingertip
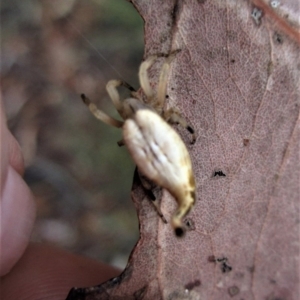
17, 219
47, 272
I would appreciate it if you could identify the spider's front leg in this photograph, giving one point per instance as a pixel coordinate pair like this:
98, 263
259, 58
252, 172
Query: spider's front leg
111, 88
99, 114
158, 101
163, 79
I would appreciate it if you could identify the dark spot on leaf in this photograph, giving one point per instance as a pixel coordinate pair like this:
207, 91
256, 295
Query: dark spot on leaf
233, 290
193, 284
211, 258
232, 61
167, 96
219, 173
190, 129
201, 1
274, 3
278, 38
221, 259
190, 225
257, 14
246, 142
225, 268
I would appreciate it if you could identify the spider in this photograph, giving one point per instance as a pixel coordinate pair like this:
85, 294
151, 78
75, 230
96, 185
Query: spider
158, 151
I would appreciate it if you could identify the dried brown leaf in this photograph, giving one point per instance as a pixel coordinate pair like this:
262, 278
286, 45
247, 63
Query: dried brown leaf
236, 80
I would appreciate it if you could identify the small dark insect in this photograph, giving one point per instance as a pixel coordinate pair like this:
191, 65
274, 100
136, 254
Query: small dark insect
225, 268
219, 173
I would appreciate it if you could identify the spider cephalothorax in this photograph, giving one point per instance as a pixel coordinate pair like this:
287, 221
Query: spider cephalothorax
156, 148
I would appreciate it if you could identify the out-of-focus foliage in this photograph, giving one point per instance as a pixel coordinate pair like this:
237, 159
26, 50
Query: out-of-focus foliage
52, 51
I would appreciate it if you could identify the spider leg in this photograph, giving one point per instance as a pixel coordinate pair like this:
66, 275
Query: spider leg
173, 117
148, 186
111, 88
100, 114
163, 80
158, 210
144, 78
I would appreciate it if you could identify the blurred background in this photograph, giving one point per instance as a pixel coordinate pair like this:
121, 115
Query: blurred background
51, 52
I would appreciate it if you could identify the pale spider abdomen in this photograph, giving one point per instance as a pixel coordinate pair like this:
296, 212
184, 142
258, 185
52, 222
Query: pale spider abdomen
161, 156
